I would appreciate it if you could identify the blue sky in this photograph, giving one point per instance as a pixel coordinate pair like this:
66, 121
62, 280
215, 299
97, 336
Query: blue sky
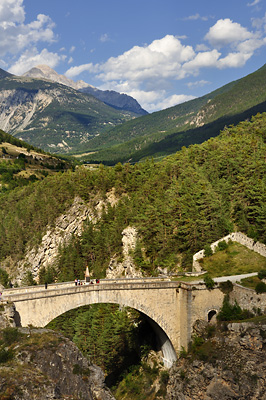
160, 52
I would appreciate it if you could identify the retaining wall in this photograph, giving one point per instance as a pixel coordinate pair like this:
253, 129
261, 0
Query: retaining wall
238, 237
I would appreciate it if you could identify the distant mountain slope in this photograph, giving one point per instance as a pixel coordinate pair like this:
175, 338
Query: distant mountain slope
177, 206
120, 101
111, 98
166, 131
21, 163
53, 116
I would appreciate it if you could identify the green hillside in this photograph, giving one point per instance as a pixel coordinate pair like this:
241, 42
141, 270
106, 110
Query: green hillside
52, 116
178, 205
21, 163
165, 132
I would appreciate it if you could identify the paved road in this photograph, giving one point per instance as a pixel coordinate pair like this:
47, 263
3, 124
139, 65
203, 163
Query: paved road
232, 278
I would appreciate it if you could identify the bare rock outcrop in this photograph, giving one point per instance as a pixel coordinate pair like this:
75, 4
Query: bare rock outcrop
126, 267
68, 224
229, 365
44, 365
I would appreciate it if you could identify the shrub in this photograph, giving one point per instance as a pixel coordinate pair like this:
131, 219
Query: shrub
226, 287
260, 287
232, 312
10, 335
4, 279
262, 274
208, 251
5, 355
164, 378
209, 282
222, 245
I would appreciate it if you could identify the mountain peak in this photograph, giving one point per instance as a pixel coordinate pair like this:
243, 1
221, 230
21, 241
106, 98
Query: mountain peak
4, 74
45, 72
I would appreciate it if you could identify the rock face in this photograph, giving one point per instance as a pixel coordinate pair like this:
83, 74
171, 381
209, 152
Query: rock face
109, 97
53, 116
7, 315
66, 225
230, 365
45, 365
126, 267
120, 101
45, 72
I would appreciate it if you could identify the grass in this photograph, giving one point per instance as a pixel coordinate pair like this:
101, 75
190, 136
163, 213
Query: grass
250, 282
235, 259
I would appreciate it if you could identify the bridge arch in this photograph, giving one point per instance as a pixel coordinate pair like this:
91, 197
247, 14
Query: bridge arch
41, 307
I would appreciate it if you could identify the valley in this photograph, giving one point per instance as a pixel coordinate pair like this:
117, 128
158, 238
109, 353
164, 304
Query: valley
201, 176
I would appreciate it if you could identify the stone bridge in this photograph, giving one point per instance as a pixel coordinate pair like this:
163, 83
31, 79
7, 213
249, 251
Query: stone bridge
171, 307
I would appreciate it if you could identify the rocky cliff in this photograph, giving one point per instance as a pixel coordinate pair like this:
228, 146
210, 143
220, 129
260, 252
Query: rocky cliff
53, 116
38, 364
229, 365
65, 226
114, 99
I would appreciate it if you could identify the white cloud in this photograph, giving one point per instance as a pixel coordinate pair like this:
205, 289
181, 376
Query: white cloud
104, 38
255, 2
161, 59
207, 59
32, 58
233, 60
196, 84
15, 35
225, 32
196, 17
170, 101
147, 72
259, 23
202, 47
11, 12
75, 71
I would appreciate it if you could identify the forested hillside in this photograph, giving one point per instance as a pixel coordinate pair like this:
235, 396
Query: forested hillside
177, 205
165, 132
21, 163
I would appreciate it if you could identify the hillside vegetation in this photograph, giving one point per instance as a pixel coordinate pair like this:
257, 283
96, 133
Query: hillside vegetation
52, 116
165, 132
178, 205
21, 163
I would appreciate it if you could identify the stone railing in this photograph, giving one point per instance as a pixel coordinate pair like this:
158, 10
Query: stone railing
238, 237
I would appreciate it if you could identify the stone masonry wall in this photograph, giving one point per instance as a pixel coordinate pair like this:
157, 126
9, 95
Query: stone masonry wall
248, 299
238, 237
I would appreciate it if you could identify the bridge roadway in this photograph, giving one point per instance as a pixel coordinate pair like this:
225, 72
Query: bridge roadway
171, 307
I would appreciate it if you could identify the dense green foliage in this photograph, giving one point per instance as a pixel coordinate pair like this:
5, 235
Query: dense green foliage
260, 287
177, 205
164, 132
232, 312
112, 338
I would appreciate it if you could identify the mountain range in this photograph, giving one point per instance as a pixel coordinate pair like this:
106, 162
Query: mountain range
167, 131
59, 115
53, 116
120, 101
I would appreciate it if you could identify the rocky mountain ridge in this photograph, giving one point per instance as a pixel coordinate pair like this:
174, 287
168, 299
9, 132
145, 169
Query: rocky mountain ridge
45, 72
114, 99
53, 116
